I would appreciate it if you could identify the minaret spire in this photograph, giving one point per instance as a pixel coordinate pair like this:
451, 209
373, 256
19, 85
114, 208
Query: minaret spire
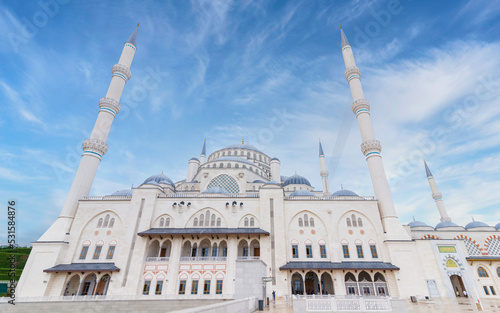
95, 147
370, 146
203, 155
436, 195
324, 171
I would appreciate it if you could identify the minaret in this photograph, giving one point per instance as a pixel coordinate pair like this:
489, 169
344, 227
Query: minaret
370, 146
324, 171
436, 195
203, 155
95, 147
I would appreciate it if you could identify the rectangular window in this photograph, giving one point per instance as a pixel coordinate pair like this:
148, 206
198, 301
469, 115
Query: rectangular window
111, 252
204, 251
359, 249
224, 251
194, 287
206, 287
373, 249
245, 251
145, 290
492, 290
309, 251
83, 254
295, 251
214, 251
86, 286
486, 290
159, 287
193, 252
219, 287
322, 249
97, 252
182, 287
345, 249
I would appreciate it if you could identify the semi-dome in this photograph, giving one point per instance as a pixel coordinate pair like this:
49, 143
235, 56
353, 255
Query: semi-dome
234, 159
476, 224
446, 224
497, 226
417, 224
258, 181
242, 146
344, 193
126, 193
193, 159
218, 190
296, 180
304, 193
272, 182
159, 179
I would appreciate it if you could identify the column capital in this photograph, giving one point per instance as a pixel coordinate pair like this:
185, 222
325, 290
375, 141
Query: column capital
360, 106
121, 71
371, 148
352, 72
110, 105
94, 147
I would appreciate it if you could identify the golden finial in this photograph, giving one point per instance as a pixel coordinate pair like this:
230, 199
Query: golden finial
340, 26
243, 141
320, 140
140, 22
295, 172
162, 172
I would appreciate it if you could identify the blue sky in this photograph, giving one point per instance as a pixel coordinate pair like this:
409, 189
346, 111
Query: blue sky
228, 70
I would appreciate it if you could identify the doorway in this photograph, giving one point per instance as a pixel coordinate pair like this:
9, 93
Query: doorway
458, 285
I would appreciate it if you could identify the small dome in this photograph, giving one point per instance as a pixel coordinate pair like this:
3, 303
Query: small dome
446, 224
296, 180
242, 146
417, 224
194, 159
218, 190
258, 181
304, 193
476, 224
497, 226
126, 193
344, 193
159, 179
272, 182
275, 159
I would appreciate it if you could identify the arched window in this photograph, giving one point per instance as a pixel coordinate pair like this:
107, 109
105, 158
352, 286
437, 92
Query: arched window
112, 223
481, 272
354, 224
360, 222
202, 219
229, 153
254, 157
223, 153
246, 221
162, 220
106, 221
498, 271
212, 221
228, 165
301, 224
207, 218
348, 220
195, 222
248, 155
167, 222
192, 188
236, 165
99, 223
306, 220
221, 165
214, 165
311, 222
252, 221
218, 222
244, 166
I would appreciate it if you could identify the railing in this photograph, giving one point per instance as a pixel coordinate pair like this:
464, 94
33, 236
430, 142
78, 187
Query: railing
341, 198
203, 258
210, 195
110, 198
157, 259
248, 258
322, 303
114, 298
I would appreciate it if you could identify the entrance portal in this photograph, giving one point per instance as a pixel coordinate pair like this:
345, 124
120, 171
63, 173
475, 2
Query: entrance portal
458, 285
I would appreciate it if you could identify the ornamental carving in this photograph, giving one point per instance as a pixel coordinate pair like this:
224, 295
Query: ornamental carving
95, 145
122, 69
371, 146
360, 104
350, 71
111, 104
437, 195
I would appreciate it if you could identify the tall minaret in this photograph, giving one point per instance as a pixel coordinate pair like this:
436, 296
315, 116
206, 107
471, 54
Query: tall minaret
95, 147
324, 171
370, 146
203, 155
436, 195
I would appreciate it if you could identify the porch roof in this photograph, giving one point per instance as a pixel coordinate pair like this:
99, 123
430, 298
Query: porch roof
84, 267
304, 265
204, 231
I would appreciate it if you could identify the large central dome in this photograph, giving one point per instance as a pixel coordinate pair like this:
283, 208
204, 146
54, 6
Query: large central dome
243, 146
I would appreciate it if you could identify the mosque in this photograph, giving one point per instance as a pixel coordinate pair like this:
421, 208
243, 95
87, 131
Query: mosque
235, 227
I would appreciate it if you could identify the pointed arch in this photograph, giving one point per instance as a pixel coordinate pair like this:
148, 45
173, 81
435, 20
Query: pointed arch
212, 220
248, 218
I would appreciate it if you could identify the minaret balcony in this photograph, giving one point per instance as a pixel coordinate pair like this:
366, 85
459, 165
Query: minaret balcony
352, 72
